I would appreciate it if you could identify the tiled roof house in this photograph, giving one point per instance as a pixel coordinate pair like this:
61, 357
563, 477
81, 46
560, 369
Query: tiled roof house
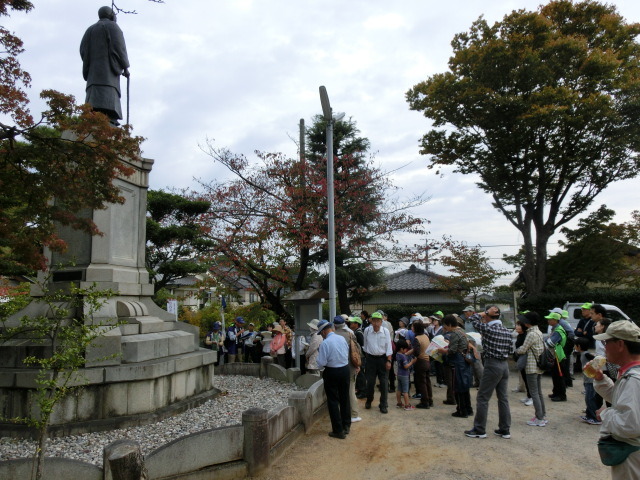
414, 286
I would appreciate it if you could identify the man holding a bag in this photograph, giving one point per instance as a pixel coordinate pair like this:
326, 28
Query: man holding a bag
619, 446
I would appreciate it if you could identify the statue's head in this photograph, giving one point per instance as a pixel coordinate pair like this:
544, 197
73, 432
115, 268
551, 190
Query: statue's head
106, 12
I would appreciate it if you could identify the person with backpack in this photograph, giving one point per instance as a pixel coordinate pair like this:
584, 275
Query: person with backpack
532, 347
355, 362
333, 356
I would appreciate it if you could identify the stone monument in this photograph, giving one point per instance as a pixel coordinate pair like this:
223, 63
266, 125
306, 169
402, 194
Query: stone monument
155, 367
145, 364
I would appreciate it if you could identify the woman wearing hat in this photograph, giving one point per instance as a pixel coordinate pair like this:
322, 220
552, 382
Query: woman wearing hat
279, 345
314, 346
214, 340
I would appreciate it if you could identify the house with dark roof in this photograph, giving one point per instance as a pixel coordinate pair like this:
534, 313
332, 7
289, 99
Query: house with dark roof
414, 286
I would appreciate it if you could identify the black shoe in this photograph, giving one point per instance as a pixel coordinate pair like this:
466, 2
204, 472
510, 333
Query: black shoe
459, 415
346, 430
502, 433
423, 405
416, 395
559, 399
392, 390
383, 410
431, 403
473, 433
470, 412
360, 396
339, 435
448, 402
552, 396
367, 405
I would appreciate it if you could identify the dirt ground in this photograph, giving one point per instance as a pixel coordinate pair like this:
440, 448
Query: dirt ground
430, 444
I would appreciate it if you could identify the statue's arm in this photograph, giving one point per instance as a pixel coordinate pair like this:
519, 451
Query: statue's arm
119, 48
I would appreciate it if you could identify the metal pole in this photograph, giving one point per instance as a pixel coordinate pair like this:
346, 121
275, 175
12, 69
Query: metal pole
224, 331
330, 214
327, 112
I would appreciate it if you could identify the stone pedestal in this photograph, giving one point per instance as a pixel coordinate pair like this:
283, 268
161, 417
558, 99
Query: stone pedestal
144, 361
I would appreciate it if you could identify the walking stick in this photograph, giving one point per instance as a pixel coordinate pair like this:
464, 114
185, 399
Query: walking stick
128, 89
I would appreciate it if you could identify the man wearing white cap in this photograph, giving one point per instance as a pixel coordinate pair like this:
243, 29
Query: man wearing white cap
621, 421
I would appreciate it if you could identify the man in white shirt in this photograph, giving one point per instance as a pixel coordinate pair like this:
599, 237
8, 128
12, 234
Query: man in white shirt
377, 347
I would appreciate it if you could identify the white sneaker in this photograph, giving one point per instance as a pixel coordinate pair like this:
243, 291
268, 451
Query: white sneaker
355, 419
529, 402
534, 422
524, 400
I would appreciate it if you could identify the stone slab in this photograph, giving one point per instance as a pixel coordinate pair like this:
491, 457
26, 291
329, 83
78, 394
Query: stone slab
143, 371
189, 361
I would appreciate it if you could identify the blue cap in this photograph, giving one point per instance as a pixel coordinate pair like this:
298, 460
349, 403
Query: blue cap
338, 319
323, 324
216, 326
240, 320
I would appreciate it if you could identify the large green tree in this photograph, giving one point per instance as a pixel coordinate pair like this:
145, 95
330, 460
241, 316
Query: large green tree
361, 203
598, 252
542, 107
176, 241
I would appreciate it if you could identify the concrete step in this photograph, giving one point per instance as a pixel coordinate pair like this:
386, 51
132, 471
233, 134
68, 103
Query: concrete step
145, 324
149, 346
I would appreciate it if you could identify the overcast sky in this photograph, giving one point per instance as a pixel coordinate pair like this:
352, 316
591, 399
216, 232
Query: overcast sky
245, 72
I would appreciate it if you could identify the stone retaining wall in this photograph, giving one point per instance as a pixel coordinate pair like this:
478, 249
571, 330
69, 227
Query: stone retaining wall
232, 452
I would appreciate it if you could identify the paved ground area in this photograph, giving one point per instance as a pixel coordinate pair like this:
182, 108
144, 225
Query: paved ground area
430, 444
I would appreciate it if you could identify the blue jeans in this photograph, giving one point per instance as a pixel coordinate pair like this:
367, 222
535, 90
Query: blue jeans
403, 383
590, 400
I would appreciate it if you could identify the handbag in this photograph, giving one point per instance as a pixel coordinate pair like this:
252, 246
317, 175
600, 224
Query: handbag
469, 357
614, 452
521, 363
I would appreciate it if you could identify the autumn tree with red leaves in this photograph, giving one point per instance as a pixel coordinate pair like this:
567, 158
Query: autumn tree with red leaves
70, 154
269, 222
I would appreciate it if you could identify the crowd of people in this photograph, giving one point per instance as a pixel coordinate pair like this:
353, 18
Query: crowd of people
361, 357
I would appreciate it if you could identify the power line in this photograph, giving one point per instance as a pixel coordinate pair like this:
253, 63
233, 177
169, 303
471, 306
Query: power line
516, 245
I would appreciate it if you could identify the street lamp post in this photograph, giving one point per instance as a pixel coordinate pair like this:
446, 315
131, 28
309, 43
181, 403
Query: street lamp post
331, 240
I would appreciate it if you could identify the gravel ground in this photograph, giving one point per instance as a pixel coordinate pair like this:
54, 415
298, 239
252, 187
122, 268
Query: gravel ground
238, 394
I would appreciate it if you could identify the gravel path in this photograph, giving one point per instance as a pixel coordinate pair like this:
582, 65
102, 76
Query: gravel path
239, 394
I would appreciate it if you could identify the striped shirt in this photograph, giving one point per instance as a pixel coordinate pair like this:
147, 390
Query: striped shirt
532, 346
496, 339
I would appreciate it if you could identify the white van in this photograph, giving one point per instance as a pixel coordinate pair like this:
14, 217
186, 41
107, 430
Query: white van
575, 313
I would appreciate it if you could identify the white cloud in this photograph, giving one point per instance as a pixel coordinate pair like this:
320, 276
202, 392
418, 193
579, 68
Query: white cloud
245, 72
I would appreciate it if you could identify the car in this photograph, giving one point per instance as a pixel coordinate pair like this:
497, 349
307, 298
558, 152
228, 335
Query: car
575, 313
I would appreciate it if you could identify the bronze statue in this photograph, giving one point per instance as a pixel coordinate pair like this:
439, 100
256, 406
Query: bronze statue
104, 59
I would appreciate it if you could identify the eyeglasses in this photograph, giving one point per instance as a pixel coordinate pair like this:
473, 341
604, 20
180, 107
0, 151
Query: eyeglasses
605, 342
